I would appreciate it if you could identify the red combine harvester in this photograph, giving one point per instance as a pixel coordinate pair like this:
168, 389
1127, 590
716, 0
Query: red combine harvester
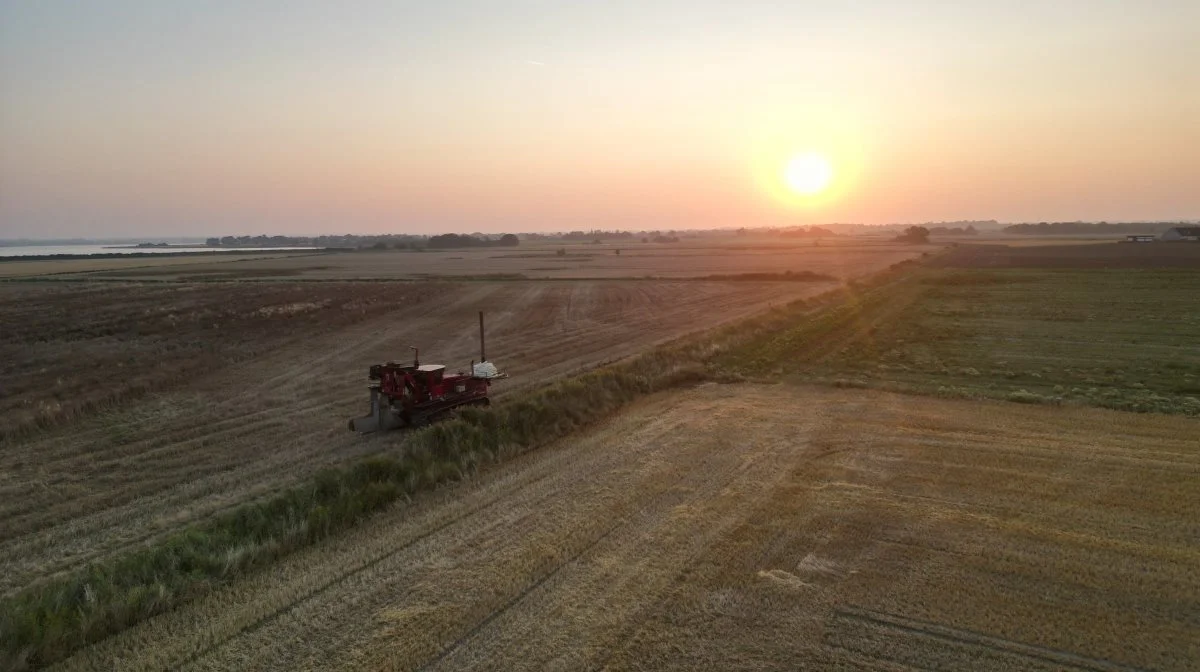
414, 396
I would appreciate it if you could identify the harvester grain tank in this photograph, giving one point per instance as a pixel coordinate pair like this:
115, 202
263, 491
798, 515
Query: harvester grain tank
416, 395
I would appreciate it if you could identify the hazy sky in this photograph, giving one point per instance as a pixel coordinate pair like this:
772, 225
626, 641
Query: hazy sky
207, 118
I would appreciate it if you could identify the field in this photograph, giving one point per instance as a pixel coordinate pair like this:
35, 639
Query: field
20, 268
751, 527
74, 348
699, 258
1067, 254
848, 486
227, 428
1119, 338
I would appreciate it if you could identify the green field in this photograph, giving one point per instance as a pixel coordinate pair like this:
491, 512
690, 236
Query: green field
1123, 339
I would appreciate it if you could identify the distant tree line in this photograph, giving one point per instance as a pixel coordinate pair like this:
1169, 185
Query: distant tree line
313, 241
601, 235
1049, 228
810, 232
963, 224
596, 234
943, 228
953, 231
383, 242
445, 240
463, 240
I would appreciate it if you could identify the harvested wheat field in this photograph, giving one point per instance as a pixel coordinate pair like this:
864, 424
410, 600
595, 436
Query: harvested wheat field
133, 263
840, 257
750, 527
244, 389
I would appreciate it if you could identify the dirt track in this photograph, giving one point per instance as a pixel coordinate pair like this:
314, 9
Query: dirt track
103, 484
738, 527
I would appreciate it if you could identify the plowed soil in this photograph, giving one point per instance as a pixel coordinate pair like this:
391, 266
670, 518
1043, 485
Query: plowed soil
220, 433
742, 527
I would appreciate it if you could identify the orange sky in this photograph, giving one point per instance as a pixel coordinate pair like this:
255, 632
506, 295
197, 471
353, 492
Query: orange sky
123, 119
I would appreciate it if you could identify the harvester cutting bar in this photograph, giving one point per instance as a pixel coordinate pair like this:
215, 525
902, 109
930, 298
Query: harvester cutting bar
381, 417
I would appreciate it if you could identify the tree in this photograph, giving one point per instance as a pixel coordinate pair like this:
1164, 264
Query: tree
914, 234
509, 240
454, 240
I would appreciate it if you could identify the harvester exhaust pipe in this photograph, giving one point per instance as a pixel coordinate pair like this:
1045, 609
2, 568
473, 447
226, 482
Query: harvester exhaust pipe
482, 354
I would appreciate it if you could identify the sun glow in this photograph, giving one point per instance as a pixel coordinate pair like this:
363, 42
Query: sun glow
808, 174
806, 160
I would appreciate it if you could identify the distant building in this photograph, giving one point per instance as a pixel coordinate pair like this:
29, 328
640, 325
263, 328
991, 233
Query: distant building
1140, 239
1182, 233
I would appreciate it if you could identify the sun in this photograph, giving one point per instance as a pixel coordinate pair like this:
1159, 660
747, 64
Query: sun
808, 174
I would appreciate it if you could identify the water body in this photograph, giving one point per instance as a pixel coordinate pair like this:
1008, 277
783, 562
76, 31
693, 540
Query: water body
41, 250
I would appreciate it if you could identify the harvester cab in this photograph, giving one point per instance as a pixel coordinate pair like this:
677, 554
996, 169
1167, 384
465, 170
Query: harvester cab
416, 395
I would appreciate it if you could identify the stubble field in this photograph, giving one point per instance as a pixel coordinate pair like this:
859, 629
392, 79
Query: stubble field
840, 258
136, 409
55, 268
750, 527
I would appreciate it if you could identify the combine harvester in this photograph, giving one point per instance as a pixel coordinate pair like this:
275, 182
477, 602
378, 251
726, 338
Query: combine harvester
414, 396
